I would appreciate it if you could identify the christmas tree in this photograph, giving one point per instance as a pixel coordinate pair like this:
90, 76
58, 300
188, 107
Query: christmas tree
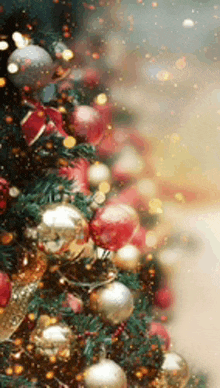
80, 275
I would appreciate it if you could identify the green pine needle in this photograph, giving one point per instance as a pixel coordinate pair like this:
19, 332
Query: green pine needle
130, 280
8, 259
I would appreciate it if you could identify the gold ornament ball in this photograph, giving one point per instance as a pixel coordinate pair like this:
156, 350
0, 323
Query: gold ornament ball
113, 302
128, 258
105, 374
52, 338
98, 173
174, 371
63, 229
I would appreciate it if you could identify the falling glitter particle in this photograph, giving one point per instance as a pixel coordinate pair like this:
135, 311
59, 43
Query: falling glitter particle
3, 45
164, 75
181, 63
188, 23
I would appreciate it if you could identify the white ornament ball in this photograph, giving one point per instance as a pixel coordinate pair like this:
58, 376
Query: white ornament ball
113, 302
98, 173
105, 374
63, 229
128, 258
28, 65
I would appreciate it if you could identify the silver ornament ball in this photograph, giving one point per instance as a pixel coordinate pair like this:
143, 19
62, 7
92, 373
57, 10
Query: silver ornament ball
28, 65
63, 229
113, 302
105, 374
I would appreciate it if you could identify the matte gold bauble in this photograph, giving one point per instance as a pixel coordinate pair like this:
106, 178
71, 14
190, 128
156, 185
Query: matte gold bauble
105, 374
63, 229
128, 258
52, 338
113, 302
174, 372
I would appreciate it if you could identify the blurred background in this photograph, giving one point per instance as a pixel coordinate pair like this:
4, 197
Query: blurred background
163, 70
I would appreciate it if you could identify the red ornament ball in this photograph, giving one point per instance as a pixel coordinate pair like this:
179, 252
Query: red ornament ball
86, 124
4, 193
156, 328
113, 226
163, 298
5, 289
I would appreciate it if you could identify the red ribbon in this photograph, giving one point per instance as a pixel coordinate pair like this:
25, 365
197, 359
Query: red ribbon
41, 120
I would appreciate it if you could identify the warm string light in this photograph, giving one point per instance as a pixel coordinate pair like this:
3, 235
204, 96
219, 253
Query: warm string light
104, 187
13, 68
69, 142
20, 40
2, 82
3, 45
67, 55
101, 99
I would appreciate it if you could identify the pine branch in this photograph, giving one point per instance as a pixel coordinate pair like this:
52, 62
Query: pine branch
8, 259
